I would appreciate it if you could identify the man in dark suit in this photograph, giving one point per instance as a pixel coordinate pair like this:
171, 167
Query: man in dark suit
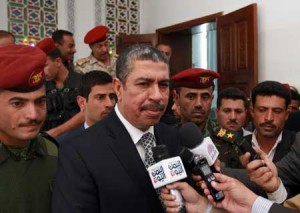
104, 169
96, 98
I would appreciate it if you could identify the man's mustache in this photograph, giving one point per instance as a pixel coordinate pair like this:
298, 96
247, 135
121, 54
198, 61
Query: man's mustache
232, 122
153, 107
268, 123
31, 123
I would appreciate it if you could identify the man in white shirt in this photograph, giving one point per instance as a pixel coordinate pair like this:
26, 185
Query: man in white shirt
270, 109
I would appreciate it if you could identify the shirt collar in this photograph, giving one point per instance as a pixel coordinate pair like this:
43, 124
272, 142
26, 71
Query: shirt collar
134, 132
255, 142
85, 125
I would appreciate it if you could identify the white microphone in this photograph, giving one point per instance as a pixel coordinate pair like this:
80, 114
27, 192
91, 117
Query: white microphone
192, 138
167, 170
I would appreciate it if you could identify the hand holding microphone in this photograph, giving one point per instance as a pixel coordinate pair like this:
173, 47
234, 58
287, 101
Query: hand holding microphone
167, 170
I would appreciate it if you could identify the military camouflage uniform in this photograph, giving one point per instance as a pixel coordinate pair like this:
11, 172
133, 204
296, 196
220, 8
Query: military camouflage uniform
229, 153
27, 175
209, 127
90, 63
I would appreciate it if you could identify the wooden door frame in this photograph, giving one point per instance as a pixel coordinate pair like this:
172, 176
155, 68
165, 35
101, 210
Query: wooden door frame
179, 36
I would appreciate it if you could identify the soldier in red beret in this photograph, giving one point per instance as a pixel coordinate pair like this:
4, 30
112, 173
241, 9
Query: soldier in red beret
27, 158
100, 59
194, 95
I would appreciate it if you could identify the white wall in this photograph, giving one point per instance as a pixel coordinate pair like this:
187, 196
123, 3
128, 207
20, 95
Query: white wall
278, 29
84, 21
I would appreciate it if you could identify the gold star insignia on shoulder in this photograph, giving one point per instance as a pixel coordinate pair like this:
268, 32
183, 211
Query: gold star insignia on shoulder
230, 135
221, 132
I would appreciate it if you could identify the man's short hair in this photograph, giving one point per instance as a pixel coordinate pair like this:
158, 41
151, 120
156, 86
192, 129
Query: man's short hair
269, 88
91, 79
6, 34
234, 94
54, 54
57, 35
136, 53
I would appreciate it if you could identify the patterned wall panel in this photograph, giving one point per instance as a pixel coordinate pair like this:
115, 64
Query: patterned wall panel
122, 17
32, 20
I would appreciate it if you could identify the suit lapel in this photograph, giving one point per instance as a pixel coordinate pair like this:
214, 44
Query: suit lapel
125, 150
284, 146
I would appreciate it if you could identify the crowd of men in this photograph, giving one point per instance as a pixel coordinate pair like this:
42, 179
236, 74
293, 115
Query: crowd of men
78, 137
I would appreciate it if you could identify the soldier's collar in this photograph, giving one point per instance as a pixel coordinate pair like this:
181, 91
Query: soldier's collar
30, 152
4, 155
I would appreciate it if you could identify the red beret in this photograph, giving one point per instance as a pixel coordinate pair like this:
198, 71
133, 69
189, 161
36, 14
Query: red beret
287, 86
97, 34
21, 68
195, 78
47, 45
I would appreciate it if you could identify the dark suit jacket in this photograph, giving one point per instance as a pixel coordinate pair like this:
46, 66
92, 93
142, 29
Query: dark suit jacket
284, 147
101, 171
275, 208
289, 168
69, 135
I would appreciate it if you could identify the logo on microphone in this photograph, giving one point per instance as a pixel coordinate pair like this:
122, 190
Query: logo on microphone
158, 174
175, 168
212, 151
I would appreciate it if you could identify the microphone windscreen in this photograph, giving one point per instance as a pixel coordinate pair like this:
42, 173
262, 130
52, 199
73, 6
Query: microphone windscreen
187, 157
160, 152
190, 135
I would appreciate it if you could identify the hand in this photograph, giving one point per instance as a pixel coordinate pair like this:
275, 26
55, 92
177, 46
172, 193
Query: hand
238, 198
192, 200
262, 172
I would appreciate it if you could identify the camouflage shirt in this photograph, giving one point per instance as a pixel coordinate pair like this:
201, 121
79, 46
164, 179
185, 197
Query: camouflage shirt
90, 63
229, 153
27, 175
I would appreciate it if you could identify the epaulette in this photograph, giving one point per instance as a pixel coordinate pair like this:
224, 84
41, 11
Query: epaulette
49, 138
49, 143
82, 61
226, 134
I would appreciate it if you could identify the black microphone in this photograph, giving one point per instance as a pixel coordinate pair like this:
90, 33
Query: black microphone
192, 138
200, 157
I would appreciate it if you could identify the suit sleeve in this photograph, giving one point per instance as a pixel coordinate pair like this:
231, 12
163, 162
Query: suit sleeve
74, 189
289, 168
276, 208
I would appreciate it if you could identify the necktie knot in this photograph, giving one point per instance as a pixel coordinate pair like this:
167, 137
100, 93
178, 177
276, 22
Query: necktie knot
148, 141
